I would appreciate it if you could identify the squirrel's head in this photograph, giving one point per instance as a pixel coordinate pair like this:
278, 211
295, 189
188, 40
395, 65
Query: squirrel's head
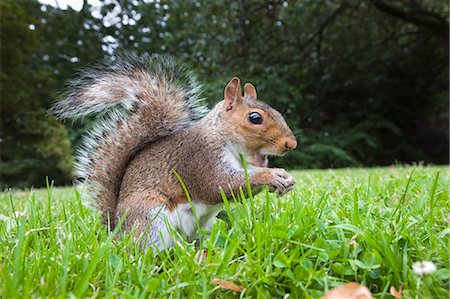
259, 128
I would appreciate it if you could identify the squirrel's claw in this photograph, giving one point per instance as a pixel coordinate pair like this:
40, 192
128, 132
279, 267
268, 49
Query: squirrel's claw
282, 183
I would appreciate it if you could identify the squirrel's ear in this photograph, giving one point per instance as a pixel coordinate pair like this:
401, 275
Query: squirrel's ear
250, 91
233, 93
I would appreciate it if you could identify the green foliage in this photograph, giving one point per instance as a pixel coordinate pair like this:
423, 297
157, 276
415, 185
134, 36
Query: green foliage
366, 82
336, 226
33, 145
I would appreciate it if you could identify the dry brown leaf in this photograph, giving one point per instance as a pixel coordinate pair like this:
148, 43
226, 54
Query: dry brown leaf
201, 255
350, 290
228, 285
395, 293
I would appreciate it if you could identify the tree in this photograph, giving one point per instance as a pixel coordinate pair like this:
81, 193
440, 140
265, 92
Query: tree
364, 82
33, 145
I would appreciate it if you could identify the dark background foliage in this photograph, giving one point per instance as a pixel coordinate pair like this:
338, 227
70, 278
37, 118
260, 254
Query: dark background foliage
364, 82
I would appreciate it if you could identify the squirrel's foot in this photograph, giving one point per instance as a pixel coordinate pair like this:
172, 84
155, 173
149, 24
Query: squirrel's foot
282, 181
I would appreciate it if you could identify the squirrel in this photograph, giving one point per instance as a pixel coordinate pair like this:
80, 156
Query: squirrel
151, 125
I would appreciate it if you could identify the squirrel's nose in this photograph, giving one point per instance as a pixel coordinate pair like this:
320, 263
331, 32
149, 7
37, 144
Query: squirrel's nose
290, 143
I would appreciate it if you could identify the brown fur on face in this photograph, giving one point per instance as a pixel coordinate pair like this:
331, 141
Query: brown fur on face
271, 137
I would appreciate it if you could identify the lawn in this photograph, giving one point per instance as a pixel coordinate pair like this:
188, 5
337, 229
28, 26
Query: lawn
337, 226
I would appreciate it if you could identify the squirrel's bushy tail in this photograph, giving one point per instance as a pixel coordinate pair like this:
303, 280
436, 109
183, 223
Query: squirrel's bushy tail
136, 101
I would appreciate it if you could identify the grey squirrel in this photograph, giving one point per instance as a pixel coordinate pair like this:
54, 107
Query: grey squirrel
151, 123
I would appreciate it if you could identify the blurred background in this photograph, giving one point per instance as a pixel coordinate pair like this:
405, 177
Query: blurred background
364, 83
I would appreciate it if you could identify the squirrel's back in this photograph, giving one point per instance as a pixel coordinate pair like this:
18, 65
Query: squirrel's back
136, 100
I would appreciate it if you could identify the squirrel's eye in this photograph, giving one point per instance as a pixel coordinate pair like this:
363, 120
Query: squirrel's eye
255, 118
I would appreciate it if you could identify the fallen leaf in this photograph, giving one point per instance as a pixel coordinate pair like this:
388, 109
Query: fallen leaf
395, 293
228, 285
201, 255
350, 290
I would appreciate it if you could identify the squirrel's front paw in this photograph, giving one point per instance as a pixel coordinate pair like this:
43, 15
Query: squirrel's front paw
282, 181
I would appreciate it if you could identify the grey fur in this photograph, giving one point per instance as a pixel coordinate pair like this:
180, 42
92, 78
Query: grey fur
131, 87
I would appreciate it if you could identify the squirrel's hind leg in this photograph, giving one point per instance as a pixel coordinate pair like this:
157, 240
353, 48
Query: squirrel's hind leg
166, 224
159, 221
148, 217
153, 228
179, 220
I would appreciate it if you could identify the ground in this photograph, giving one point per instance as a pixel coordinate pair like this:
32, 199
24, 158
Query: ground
337, 226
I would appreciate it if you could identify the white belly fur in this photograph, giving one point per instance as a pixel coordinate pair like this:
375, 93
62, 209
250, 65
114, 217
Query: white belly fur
182, 220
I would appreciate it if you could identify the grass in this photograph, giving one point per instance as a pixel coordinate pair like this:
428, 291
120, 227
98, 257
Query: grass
364, 225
